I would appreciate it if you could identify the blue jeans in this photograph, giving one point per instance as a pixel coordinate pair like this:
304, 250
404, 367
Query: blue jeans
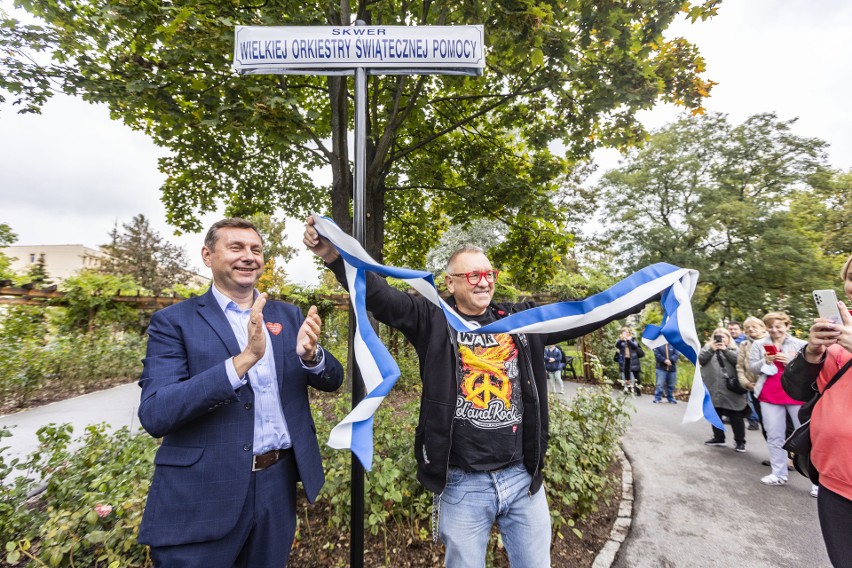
667, 379
472, 501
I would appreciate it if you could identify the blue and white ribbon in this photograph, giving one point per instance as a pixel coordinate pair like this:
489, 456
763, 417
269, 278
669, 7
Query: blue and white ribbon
380, 372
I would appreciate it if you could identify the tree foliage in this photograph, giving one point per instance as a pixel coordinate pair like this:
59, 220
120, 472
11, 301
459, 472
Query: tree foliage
37, 273
826, 212
89, 303
274, 235
716, 197
141, 253
441, 149
7, 237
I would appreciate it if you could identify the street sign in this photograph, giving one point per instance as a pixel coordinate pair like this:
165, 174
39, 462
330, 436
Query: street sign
337, 50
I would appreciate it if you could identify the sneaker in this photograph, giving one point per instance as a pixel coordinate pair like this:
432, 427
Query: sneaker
740, 448
814, 490
656, 400
753, 425
773, 479
638, 391
766, 463
715, 442
672, 401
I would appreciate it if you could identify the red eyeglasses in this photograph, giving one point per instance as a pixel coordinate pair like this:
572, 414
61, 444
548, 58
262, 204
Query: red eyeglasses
475, 277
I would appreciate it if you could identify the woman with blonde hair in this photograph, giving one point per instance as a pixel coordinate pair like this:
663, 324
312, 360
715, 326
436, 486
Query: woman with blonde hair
718, 360
754, 330
629, 353
767, 359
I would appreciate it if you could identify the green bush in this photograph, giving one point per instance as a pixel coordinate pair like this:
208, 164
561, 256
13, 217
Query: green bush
584, 438
72, 363
90, 511
91, 507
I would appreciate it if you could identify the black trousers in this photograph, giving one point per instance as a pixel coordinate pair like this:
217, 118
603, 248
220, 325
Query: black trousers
737, 424
835, 520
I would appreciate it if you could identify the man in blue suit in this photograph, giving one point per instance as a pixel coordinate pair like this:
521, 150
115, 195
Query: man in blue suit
225, 385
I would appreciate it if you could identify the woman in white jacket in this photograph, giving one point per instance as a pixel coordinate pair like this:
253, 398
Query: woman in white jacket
767, 360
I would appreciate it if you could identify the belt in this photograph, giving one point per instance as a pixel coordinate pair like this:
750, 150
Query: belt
272, 457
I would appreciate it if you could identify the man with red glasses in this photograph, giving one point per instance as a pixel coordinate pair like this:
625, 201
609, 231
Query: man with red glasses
483, 426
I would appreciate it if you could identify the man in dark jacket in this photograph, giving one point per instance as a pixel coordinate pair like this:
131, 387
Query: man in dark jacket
483, 426
666, 356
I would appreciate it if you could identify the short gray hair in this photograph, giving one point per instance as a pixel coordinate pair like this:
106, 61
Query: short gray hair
468, 248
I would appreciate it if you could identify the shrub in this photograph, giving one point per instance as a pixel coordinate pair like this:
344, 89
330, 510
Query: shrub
584, 438
91, 507
95, 487
68, 363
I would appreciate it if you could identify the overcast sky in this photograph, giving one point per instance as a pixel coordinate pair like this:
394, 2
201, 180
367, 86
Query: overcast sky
68, 175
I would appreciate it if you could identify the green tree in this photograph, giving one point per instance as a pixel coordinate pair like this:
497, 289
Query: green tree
274, 236
37, 273
141, 253
90, 305
7, 237
715, 197
826, 212
483, 233
441, 149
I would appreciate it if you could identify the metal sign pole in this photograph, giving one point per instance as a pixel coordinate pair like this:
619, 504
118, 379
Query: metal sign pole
356, 496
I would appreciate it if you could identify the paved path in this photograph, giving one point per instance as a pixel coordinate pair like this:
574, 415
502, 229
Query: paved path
699, 506
115, 406
695, 506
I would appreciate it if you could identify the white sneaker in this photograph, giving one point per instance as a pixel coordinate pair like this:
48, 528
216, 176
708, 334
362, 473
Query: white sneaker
773, 479
814, 490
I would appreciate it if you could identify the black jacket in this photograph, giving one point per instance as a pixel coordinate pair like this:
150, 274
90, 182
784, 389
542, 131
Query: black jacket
635, 353
426, 327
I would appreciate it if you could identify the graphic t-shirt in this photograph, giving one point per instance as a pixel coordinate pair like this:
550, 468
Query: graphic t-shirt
487, 424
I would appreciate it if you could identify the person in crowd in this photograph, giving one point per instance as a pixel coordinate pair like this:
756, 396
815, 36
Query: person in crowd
666, 357
553, 364
718, 360
225, 385
754, 330
767, 359
828, 349
628, 354
482, 431
736, 331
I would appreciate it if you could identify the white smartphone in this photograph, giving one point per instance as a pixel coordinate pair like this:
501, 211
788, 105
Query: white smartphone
826, 305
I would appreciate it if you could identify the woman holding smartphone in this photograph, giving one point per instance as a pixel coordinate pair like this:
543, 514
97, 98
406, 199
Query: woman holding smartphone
767, 359
718, 360
829, 348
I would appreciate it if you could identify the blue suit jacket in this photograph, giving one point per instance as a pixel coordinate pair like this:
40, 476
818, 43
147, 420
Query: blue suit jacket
203, 467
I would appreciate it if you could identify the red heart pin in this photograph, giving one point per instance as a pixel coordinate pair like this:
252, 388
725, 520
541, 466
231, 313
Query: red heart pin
275, 328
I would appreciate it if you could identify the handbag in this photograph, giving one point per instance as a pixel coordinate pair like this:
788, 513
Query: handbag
731, 382
799, 442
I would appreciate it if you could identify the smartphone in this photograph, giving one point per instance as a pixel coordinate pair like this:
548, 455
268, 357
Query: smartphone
771, 349
826, 305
